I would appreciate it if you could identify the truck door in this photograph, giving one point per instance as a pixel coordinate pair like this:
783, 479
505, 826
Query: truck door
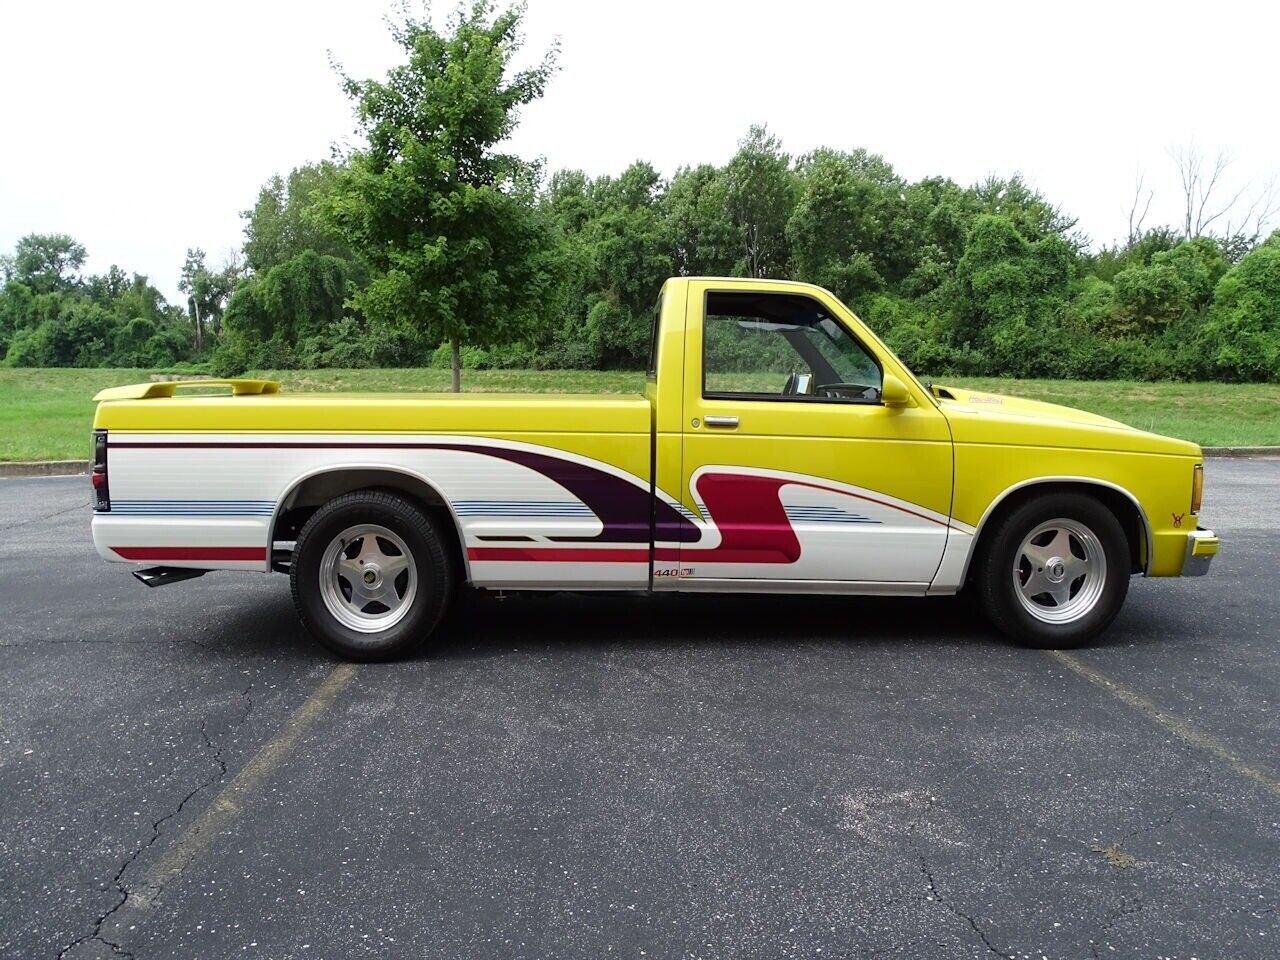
793, 466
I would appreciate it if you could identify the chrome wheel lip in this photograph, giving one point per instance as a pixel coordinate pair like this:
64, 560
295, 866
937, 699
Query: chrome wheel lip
1067, 575
363, 589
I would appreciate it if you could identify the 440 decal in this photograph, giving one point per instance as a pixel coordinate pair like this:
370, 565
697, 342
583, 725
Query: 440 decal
673, 571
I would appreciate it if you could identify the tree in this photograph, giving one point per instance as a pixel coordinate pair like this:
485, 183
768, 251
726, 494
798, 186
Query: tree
1139, 209
1242, 332
51, 316
283, 222
760, 191
1147, 299
1204, 202
701, 237
1011, 295
1027, 209
445, 222
47, 261
630, 258
843, 230
274, 318
207, 290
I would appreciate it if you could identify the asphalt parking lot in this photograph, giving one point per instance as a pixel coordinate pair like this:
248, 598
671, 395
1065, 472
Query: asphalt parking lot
182, 774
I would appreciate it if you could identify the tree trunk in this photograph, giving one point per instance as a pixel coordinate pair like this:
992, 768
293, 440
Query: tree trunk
455, 364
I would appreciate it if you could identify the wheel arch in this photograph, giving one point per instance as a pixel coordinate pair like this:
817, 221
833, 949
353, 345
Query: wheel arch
1123, 505
312, 490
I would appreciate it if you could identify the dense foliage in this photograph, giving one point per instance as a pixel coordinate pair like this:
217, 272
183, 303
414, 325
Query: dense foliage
51, 316
427, 246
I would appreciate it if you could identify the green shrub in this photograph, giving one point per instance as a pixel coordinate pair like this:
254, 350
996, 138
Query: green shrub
1241, 335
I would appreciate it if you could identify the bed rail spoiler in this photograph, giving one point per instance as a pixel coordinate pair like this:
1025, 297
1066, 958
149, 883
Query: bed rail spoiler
167, 388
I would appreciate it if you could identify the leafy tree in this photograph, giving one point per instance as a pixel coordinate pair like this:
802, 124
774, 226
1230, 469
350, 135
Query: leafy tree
630, 260
49, 317
760, 190
207, 291
1242, 332
445, 222
272, 314
47, 261
1027, 209
1011, 292
1146, 300
843, 228
701, 237
284, 221
1199, 263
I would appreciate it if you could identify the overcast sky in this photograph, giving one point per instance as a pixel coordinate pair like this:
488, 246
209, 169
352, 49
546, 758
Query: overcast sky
145, 128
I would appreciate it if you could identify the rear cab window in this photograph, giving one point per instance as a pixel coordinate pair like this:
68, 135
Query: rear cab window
652, 371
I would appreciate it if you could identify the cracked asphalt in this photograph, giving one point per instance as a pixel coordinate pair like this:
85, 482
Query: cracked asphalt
183, 774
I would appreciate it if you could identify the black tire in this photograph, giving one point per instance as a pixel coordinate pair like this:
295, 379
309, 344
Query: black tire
1003, 597
431, 566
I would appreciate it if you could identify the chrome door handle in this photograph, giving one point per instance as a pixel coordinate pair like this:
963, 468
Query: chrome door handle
713, 420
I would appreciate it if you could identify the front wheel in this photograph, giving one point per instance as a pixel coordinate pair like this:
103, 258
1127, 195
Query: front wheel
371, 575
1055, 572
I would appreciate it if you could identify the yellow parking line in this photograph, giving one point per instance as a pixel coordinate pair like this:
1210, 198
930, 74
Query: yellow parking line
1175, 725
226, 806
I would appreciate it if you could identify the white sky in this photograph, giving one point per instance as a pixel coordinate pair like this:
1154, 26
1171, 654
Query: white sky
144, 128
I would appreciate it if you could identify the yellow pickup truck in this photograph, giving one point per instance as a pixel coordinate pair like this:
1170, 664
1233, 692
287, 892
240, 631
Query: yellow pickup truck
780, 447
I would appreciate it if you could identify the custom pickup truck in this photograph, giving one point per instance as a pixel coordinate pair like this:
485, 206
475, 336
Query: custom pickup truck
780, 447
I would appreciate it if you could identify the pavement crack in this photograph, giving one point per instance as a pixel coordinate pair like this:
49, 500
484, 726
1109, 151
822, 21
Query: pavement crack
123, 889
934, 894
1176, 807
1126, 908
47, 516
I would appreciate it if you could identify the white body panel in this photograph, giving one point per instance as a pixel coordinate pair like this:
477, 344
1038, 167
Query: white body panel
209, 501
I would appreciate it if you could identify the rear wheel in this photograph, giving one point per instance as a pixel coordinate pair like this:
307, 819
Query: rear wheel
371, 575
1055, 572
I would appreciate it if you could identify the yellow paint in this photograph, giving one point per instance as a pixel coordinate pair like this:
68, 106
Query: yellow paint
903, 451
1204, 547
951, 450
225, 808
167, 388
472, 413
1174, 724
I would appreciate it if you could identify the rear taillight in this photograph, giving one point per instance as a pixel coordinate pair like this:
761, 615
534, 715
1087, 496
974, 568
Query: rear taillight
98, 476
1197, 487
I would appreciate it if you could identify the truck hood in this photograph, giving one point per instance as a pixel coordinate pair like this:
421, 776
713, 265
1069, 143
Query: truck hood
980, 417
999, 405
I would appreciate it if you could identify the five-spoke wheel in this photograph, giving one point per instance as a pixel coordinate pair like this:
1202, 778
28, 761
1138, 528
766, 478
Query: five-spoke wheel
368, 578
1054, 571
1060, 570
371, 575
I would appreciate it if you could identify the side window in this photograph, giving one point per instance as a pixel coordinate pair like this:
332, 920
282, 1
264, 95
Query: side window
652, 373
776, 346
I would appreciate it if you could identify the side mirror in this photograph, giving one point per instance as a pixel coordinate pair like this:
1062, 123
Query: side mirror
893, 392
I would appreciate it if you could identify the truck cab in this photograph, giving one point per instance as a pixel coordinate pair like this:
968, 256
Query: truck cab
824, 463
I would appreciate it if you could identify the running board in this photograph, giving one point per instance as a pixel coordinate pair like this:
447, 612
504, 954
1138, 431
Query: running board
163, 576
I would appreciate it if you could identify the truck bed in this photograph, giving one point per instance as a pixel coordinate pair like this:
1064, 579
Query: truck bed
382, 412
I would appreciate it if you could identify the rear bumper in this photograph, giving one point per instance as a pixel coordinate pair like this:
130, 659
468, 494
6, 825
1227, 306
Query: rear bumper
1202, 547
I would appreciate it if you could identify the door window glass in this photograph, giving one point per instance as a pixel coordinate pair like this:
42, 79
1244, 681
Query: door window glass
774, 346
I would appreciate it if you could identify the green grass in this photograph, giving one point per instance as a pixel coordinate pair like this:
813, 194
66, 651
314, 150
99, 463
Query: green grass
45, 414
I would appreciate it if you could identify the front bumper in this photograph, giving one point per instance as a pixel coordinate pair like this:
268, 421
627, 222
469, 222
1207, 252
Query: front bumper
1202, 547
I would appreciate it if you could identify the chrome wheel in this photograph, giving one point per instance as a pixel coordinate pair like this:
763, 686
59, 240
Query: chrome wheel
368, 579
1060, 571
